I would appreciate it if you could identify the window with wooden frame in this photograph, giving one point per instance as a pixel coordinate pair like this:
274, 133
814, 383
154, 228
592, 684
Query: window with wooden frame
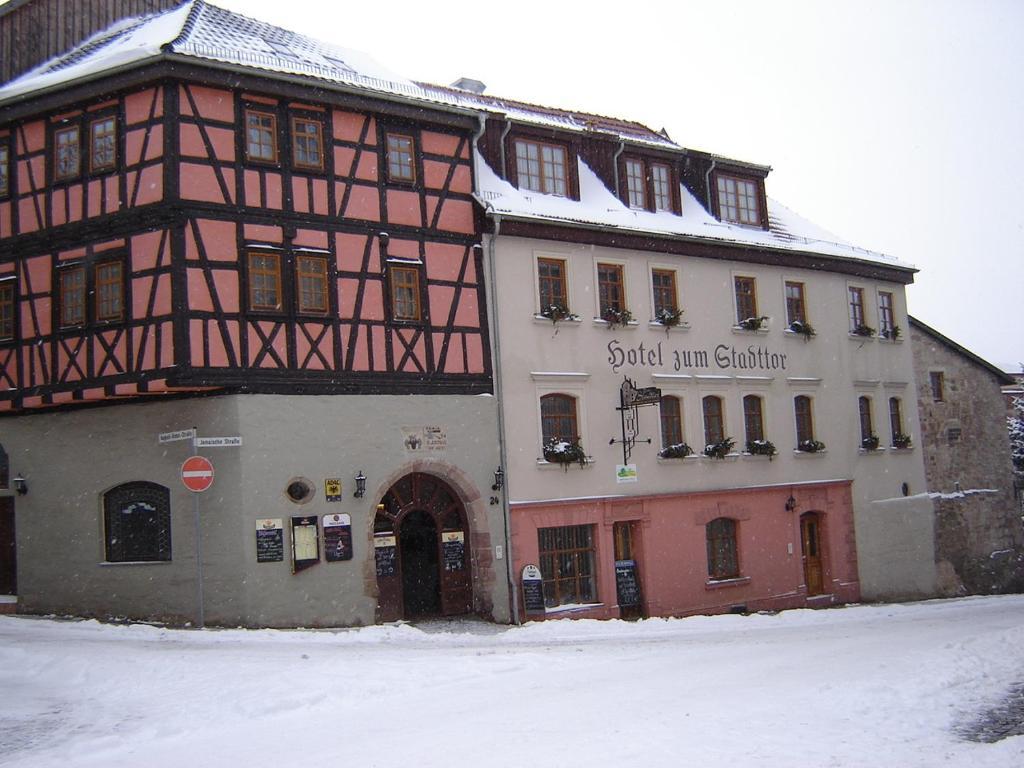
311, 284
739, 201
71, 282
6, 310
671, 421
541, 167
405, 293
661, 187
109, 291
636, 184
895, 419
663, 286
746, 298
551, 283
103, 144
307, 144
937, 380
856, 302
558, 421
714, 420
804, 419
753, 418
265, 282
867, 427
611, 290
5, 171
886, 315
67, 153
567, 565
137, 523
260, 136
401, 158
723, 556
796, 311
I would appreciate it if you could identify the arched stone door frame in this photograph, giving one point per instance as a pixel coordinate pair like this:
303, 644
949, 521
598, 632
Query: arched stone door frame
426, 489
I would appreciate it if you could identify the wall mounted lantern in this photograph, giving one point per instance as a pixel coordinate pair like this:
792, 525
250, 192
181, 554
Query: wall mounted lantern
20, 484
790, 503
360, 485
499, 479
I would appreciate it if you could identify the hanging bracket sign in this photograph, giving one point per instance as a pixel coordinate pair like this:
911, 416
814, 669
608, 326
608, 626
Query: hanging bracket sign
630, 400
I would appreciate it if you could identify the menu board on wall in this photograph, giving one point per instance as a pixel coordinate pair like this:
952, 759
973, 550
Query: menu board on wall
453, 548
270, 540
305, 543
385, 549
337, 538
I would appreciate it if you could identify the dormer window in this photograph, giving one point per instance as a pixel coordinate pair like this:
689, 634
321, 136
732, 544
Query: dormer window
646, 185
739, 201
636, 184
541, 167
661, 185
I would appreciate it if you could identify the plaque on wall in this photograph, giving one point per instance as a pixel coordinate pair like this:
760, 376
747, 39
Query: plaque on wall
533, 590
305, 543
453, 549
270, 540
337, 538
332, 489
627, 588
385, 549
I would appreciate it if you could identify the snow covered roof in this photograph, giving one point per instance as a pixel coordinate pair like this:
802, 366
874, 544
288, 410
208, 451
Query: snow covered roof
597, 206
202, 32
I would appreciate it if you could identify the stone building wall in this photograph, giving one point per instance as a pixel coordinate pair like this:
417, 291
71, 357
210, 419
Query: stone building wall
979, 538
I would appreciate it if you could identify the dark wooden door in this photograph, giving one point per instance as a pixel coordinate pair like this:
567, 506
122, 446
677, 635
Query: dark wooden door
627, 572
8, 560
810, 544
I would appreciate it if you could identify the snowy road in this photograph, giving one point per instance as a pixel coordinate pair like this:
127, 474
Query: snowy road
863, 686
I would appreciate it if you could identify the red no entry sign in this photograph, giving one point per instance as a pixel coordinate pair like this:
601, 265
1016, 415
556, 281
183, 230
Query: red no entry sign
197, 473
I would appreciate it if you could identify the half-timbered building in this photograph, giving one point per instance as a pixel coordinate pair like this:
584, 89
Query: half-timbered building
211, 227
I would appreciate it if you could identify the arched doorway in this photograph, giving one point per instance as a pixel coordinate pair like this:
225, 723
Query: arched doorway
421, 546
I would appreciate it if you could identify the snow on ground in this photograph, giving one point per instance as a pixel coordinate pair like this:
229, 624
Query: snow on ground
861, 686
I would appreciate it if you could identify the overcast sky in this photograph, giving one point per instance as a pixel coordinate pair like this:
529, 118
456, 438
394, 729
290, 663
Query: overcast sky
896, 124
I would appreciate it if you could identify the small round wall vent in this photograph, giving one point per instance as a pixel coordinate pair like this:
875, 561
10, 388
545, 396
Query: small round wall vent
299, 490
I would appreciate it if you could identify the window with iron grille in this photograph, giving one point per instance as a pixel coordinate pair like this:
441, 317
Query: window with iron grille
714, 422
137, 523
260, 136
541, 167
723, 559
567, 565
671, 421
746, 298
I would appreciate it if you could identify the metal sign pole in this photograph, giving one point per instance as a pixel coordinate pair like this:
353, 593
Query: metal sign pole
200, 617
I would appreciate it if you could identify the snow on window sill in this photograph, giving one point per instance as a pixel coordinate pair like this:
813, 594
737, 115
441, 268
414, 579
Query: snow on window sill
601, 322
762, 331
654, 325
873, 452
548, 465
808, 454
569, 321
728, 457
894, 449
738, 581
756, 456
693, 457
858, 337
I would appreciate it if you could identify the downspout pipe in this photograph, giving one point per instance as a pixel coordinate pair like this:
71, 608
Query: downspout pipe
615, 166
503, 171
707, 185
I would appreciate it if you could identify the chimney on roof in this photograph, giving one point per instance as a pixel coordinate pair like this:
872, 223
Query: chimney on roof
469, 84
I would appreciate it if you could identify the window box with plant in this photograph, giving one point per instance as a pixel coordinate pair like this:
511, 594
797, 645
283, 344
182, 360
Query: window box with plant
675, 451
865, 331
752, 324
669, 317
804, 329
902, 441
616, 317
556, 313
892, 333
869, 443
761, 448
565, 452
719, 450
810, 446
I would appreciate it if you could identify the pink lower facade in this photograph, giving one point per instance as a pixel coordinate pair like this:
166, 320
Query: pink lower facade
668, 542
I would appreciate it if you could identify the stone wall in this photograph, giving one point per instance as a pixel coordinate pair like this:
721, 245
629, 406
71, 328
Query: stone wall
979, 538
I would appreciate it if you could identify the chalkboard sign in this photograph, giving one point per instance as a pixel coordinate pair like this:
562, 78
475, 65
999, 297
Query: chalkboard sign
337, 538
385, 549
269, 541
453, 548
533, 590
627, 588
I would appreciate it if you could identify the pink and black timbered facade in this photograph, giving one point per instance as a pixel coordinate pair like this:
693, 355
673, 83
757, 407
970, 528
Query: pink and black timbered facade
292, 256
